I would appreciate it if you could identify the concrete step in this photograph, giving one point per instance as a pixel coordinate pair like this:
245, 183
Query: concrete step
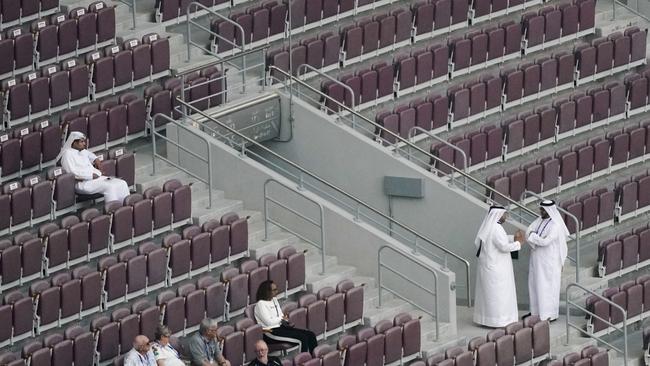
277, 239
219, 207
388, 310
333, 276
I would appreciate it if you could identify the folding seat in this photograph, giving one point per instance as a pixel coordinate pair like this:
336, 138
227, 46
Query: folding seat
604, 54
149, 317
47, 300
477, 98
142, 215
637, 143
278, 14
102, 71
616, 99
55, 242
16, 99
531, 79
7, 49
260, 28
461, 51
35, 354
122, 64
583, 113
334, 308
486, 354
628, 197
136, 272
172, 310
586, 17
387, 24
440, 61
115, 277
424, 66
480, 9
514, 135
10, 148
620, 146
501, 187
86, 27
116, 117
601, 155
236, 290
600, 359
644, 244
548, 74
46, 39
445, 158
41, 195
20, 202
630, 250
552, 24
393, 340
22, 310
566, 111
517, 184
619, 298
162, 207
423, 17
479, 49
375, 347
238, 234
406, 120
316, 313
478, 150
277, 270
586, 58
297, 315
79, 76
83, 345
585, 161
406, 72
336, 95
411, 334
637, 91
534, 178
569, 23
513, 87
107, 335
568, 167
600, 108
385, 79
219, 241
215, 296
199, 249
314, 52
643, 198
442, 14
194, 306
423, 114
610, 255
303, 358
459, 103
551, 169
23, 47
59, 85
62, 350
39, 92
178, 254
181, 200
368, 85
606, 206
496, 39
637, 40
440, 111
533, 26
547, 119
226, 35
566, 68
531, 129
459, 11
256, 275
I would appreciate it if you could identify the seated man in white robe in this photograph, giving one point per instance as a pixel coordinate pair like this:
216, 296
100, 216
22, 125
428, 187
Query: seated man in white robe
496, 295
84, 165
547, 237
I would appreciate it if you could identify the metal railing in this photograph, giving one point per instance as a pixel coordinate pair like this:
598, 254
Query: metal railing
155, 134
576, 235
378, 130
413, 132
131, 5
380, 285
239, 141
191, 22
578, 327
319, 224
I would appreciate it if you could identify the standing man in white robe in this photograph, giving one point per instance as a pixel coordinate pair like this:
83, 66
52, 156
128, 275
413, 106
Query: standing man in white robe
84, 165
547, 238
496, 295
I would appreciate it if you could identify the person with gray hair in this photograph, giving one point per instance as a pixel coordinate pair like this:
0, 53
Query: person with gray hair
140, 354
164, 353
203, 346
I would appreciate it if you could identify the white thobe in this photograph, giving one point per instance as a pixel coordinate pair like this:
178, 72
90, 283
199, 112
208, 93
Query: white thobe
496, 295
80, 164
545, 268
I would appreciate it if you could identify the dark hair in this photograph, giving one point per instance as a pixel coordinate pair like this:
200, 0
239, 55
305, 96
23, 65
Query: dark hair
264, 291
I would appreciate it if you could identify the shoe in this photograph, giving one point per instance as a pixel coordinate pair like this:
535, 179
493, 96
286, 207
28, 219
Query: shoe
525, 316
551, 320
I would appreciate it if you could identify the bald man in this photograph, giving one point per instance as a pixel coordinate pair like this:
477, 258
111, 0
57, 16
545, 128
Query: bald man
263, 358
140, 354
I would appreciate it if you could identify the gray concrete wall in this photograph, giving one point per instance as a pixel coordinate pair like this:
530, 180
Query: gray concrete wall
354, 242
358, 165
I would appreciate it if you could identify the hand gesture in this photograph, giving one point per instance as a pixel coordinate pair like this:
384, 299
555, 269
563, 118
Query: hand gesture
519, 236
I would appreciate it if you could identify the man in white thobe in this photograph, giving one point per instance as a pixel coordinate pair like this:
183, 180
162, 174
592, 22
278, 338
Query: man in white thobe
84, 165
547, 238
496, 296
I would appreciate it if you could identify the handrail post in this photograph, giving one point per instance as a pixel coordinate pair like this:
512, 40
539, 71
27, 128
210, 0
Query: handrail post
266, 214
209, 147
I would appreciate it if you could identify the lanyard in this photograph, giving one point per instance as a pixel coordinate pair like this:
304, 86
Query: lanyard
208, 348
143, 360
275, 305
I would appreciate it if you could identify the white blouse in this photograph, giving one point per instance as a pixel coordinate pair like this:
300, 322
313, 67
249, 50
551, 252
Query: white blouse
268, 313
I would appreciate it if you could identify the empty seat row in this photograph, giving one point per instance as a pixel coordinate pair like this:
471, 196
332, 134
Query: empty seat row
145, 215
17, 47
202, 249
518, 343
633, 296
589, 355
111, 122
606, 56
387, 342
594, 210
260, 24
633, 196
624, 253
552, 25
83, 30
29, 148
483, 10
166, 10
125, 66
37, 198
368, 86
20, 12
579, 163
637, 87
41, 93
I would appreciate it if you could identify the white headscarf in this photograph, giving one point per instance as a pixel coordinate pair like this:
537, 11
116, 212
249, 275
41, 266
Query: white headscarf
552, 211
72, 137
487, 226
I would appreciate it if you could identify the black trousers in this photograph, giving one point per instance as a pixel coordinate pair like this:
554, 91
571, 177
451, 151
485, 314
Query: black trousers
307, 338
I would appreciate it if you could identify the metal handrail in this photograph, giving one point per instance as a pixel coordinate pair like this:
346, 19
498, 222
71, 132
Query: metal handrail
130, 4
319, 224
575, 260
207, 160
380, 286
411, 134
579, 328
359, 202
635, 12
220, 61
405, 141
190, 43
345, 86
